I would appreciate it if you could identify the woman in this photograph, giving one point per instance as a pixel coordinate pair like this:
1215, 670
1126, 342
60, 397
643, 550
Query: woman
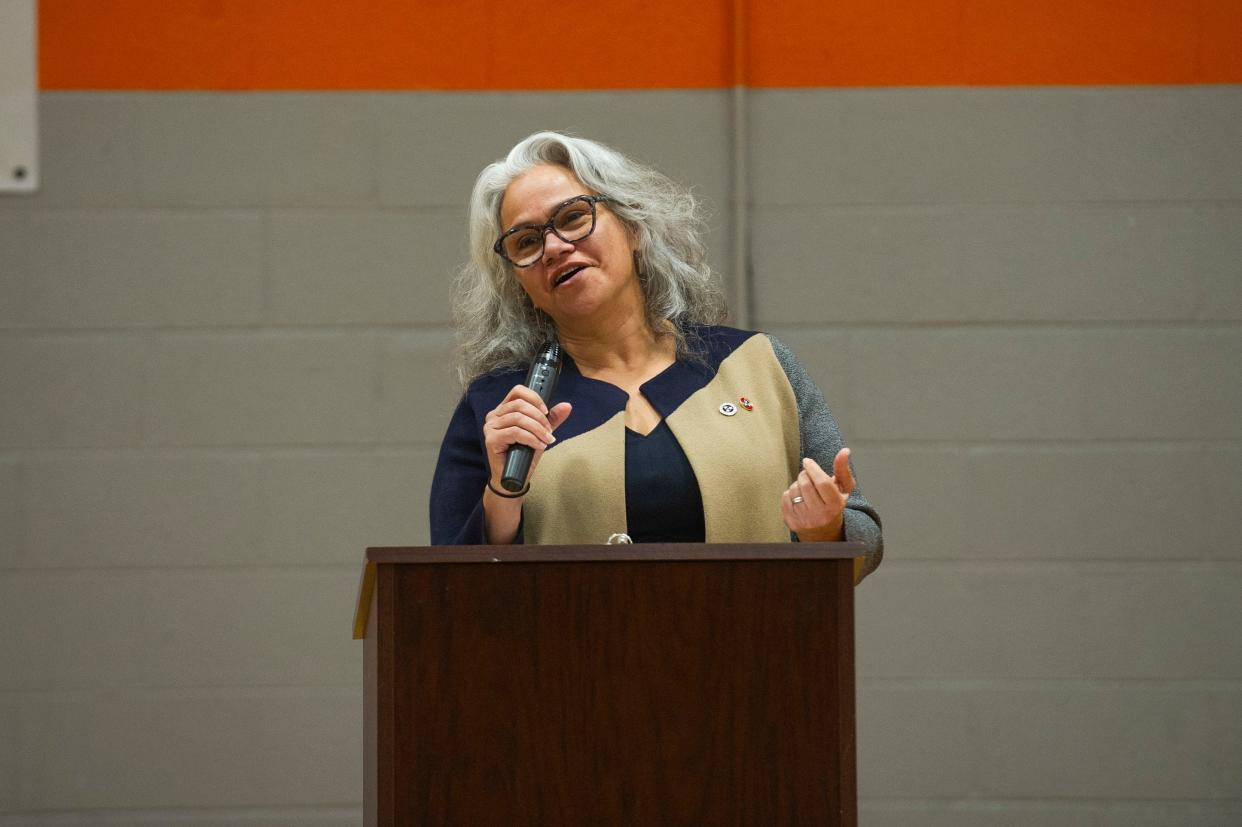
665, 426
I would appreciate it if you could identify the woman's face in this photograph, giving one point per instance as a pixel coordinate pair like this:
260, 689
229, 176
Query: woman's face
601, 282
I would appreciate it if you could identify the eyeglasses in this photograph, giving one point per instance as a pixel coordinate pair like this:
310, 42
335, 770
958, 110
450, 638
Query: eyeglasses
572, 220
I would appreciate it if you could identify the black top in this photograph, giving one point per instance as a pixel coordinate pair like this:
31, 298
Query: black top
662, 500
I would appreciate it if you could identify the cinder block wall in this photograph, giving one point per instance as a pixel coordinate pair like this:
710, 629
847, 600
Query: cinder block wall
1024, 304
223, 373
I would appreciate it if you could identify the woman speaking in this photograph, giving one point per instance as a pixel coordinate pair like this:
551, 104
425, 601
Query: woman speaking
664, 425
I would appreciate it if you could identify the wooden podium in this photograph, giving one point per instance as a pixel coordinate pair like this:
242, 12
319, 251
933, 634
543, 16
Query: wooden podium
631, 684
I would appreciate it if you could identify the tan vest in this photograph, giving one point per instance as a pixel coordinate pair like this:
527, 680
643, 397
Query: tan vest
743, 462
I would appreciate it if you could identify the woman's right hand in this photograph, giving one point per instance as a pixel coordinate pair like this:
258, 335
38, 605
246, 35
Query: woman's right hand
522, 419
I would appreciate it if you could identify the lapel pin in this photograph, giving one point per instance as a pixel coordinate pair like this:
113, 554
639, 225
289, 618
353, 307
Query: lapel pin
747, 404
728, 408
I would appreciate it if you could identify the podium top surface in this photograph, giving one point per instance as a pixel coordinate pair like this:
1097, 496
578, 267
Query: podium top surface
602, 553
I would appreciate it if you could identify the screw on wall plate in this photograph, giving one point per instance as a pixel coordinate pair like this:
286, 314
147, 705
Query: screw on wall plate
19, 173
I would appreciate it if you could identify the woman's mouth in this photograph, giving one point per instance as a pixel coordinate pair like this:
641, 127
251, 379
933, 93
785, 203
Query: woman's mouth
567, 275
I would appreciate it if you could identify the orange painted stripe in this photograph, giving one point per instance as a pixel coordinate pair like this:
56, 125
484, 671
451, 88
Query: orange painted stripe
631, 44
995, 42
378, 44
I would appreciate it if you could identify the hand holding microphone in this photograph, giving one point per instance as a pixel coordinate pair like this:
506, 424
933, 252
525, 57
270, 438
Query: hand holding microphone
516, 432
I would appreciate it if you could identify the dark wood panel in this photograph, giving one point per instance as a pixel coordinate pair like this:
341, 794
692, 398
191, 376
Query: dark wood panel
637, 551
619, 693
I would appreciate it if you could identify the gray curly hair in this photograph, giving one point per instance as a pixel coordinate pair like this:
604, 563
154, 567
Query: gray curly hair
498, 326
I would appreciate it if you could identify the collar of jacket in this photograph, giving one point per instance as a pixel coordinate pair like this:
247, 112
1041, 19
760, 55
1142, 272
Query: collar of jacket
596, 401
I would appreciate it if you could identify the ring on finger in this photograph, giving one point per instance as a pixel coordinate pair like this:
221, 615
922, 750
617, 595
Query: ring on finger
797, 500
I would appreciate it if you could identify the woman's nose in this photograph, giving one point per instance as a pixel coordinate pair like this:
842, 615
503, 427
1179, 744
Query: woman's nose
554, 245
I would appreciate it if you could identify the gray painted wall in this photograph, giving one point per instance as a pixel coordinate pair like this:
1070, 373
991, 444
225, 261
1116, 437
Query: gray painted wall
223, 373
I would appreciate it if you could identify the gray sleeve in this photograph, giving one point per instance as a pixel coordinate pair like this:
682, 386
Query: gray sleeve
821, 440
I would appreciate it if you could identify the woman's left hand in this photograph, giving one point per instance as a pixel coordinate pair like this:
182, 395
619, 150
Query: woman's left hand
814, 506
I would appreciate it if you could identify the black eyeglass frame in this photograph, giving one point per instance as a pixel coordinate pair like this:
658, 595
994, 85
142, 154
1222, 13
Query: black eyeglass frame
550, 224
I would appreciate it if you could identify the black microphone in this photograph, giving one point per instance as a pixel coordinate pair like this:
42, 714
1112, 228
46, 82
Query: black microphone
541, 378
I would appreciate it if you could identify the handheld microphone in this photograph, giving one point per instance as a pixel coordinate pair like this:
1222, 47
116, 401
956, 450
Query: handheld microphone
541, 378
